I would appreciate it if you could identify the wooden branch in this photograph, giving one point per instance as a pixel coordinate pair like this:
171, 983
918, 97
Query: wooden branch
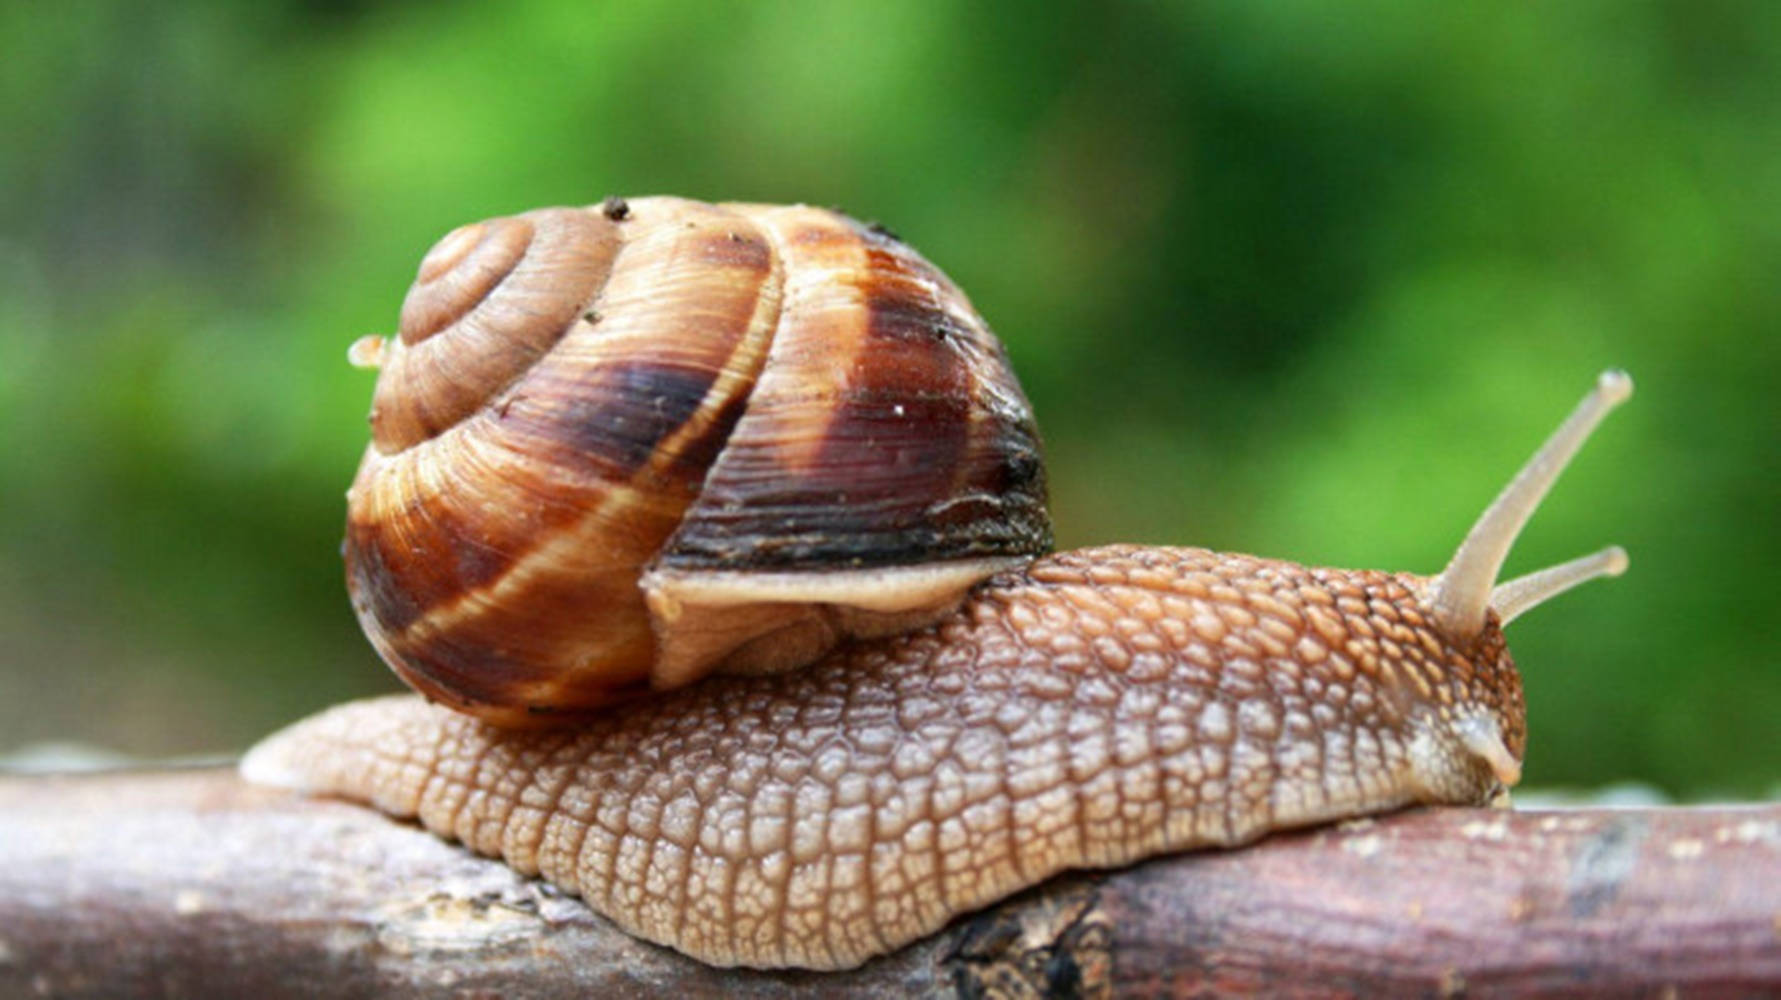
192, 883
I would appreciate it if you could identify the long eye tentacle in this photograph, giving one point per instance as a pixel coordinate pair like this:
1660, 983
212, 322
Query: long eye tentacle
1462, 594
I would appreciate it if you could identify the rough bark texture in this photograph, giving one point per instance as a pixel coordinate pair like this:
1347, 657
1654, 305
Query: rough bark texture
192, 883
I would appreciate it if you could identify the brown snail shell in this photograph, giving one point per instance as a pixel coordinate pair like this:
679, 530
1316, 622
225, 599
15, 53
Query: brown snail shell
616, 448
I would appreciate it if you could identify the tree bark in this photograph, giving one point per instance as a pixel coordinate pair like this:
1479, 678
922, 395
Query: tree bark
192, 883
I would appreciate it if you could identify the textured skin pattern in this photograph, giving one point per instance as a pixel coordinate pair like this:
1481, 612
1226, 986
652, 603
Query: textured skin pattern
577, 395
1097, 708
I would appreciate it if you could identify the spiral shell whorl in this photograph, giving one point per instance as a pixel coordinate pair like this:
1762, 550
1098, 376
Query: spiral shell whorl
489, 300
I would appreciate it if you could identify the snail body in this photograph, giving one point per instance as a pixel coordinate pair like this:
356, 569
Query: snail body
1084, 709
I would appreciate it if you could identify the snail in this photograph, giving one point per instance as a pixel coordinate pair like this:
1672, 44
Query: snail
907, 709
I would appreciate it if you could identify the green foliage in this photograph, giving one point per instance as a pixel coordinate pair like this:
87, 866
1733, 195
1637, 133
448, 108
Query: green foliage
1302, 279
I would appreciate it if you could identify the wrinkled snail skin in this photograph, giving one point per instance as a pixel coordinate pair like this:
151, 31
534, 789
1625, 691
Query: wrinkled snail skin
1097, 707
618, 449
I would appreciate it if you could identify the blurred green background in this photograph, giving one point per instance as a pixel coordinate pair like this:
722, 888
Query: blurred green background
1308, 280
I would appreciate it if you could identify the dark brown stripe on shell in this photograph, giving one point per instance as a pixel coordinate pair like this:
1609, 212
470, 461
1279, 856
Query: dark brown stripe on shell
433, 548
610, 420
696, 454
408, 577
381, 592
470, 673
900, 427
912, 460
